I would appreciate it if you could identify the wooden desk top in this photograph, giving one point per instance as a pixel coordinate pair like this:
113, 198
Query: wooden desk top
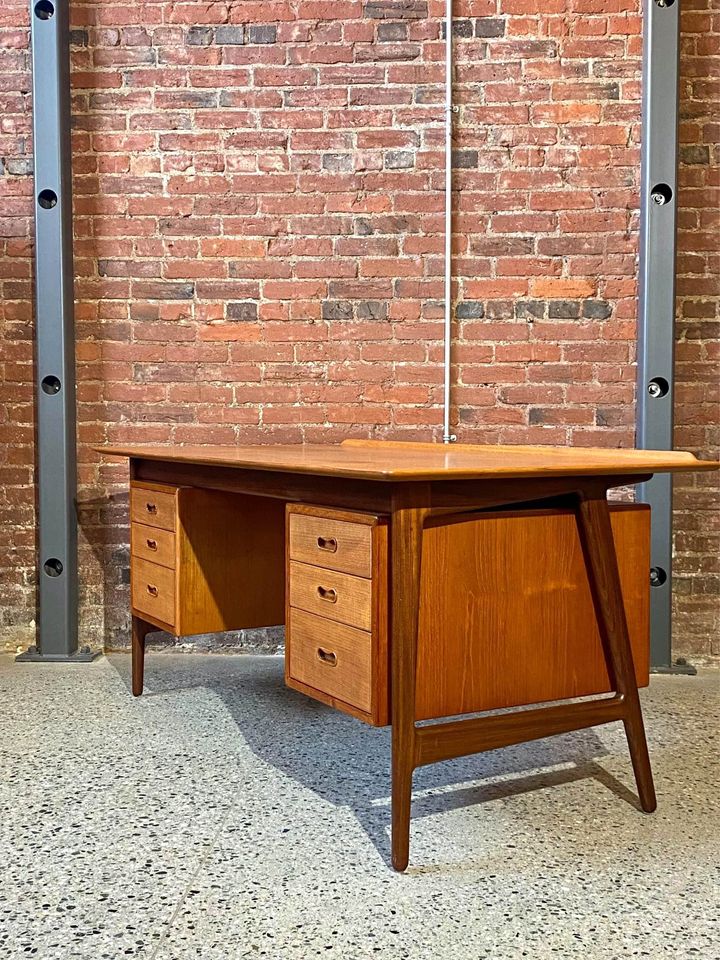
394, 460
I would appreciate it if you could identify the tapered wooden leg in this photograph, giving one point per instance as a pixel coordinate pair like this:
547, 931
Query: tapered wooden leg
601, 561
409, 508
140, 629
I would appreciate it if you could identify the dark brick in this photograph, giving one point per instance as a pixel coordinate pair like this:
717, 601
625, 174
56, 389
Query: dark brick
596, 309
564, 309
372, 310
465, 159
470, 310
399, 159
17, 166
396, 9
230, 34
536, 416
200, 36
244, 310
489, 27
337, 310
163, 290
462, 29
262, 33
531, 309
694, 155
337, 162
364, 227
193, 99
390, 32
610, 417
78, 38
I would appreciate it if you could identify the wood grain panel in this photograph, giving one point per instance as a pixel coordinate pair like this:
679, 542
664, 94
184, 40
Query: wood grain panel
231, 561
506, 614
153, 590
153, 544
399, 461
334, 544
153, 505
332, 658
328, 593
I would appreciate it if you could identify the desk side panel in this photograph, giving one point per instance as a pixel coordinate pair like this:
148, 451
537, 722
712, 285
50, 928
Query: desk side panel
506, 614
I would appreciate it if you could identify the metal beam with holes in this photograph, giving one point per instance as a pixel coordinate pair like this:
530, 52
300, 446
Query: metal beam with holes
656, 337
55, 344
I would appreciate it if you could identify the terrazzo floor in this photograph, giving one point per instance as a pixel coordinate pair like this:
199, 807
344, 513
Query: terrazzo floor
224, 816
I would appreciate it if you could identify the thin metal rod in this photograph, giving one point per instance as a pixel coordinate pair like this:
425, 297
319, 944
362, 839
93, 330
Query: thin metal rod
656, 306
448, 437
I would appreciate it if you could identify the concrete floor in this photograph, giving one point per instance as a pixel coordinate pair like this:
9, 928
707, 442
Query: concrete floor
223, 816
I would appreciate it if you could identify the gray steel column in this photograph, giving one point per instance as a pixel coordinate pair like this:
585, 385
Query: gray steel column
657, 296
55, 344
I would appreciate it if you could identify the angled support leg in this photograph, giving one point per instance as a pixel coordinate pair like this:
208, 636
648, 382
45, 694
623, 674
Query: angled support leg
410, 506
593, 518
140, 629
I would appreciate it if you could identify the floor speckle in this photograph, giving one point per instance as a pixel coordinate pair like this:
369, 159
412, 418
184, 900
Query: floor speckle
222, 817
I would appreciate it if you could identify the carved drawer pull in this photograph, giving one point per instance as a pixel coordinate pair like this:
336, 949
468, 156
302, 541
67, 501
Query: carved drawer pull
151, 507
327, 657
152, 544
327, 543
152, 590
327, 593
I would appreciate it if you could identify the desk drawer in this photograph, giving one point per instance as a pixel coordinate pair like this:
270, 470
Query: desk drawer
153, 590
154, 507
332, 658
327, 593
334, 544
153, 544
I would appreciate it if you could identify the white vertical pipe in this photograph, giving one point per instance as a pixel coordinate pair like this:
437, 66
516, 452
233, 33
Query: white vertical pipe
449, 72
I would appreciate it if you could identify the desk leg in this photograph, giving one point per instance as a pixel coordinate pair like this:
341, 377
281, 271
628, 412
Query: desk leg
601, 560
140, 629
408, 513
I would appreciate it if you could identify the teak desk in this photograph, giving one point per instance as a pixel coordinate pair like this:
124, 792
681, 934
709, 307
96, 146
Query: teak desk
371, 579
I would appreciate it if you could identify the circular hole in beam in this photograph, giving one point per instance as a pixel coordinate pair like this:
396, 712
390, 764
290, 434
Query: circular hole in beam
661, 194
45, 10
658, 387
53, 567
664, 3
47, 199
657, 576
50, 385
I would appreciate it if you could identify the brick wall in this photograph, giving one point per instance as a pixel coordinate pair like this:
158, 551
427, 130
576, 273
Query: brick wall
259, 222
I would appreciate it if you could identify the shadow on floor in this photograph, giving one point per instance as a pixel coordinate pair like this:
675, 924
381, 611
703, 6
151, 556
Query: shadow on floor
346, 762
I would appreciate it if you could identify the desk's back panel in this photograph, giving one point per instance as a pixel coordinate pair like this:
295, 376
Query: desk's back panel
506, 614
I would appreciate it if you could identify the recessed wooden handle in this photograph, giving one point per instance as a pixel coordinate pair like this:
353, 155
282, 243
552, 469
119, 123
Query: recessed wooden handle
327, 593
327, 543
152, 589
327, 656
151, 507
152, 544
